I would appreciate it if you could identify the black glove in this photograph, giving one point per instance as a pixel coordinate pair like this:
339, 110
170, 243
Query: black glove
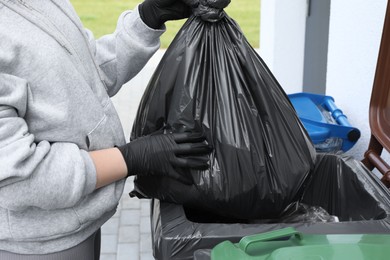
165, 154
155, 13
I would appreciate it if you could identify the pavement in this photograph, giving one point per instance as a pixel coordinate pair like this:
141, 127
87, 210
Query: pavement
127, 235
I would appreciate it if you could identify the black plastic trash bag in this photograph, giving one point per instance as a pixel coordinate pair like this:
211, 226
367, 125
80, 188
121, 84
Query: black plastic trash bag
210, 80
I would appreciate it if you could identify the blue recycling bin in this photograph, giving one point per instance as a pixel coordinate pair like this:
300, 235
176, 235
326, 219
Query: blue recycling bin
325, 123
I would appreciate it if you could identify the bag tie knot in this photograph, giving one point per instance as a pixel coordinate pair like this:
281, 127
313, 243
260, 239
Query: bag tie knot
208, 10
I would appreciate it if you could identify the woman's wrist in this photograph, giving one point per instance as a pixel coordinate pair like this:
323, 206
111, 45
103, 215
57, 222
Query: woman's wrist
110, 166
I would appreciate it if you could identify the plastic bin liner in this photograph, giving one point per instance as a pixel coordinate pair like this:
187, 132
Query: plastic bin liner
300, 212
202, 254
340, 185
210, 80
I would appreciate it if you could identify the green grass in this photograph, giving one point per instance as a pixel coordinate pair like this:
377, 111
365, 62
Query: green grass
101, 16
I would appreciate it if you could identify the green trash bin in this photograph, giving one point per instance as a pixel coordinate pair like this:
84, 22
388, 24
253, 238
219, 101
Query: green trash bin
289, 244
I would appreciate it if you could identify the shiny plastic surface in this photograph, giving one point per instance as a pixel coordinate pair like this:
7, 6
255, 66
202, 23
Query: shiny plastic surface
340, 185
211, 80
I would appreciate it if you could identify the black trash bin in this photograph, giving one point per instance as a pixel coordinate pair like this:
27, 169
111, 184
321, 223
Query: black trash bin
339, 184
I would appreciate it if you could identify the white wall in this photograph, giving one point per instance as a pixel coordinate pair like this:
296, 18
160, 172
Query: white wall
354, 38
282, 36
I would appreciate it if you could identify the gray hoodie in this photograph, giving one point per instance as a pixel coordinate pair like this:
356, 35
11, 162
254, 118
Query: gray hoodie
55, 88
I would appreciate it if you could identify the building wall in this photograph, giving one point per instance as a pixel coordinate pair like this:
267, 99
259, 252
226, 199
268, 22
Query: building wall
354, 37
282, 38
316, 46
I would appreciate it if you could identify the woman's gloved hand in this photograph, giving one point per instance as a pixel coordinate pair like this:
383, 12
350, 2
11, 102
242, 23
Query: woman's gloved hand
165, 154
154, 13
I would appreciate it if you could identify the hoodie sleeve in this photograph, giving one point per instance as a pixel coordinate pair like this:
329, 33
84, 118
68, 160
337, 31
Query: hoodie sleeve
124, 53
34, 174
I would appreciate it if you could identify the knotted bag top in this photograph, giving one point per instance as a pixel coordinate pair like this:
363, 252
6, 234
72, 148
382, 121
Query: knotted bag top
208, 10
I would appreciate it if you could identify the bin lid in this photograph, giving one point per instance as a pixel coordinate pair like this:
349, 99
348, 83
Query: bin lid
287, 243
379, 114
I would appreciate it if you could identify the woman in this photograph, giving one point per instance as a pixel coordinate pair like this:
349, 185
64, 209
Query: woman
63, 156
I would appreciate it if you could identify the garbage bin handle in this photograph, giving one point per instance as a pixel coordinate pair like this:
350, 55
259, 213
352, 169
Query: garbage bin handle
336, 113
353, 133
288, 232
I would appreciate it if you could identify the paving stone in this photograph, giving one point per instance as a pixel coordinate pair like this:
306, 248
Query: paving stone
129, 234
130, 217
111, 226
145, 243
117, 214
130, 203
109, 244
146, 256
128, 252
145, 225
145, 208
108, 257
